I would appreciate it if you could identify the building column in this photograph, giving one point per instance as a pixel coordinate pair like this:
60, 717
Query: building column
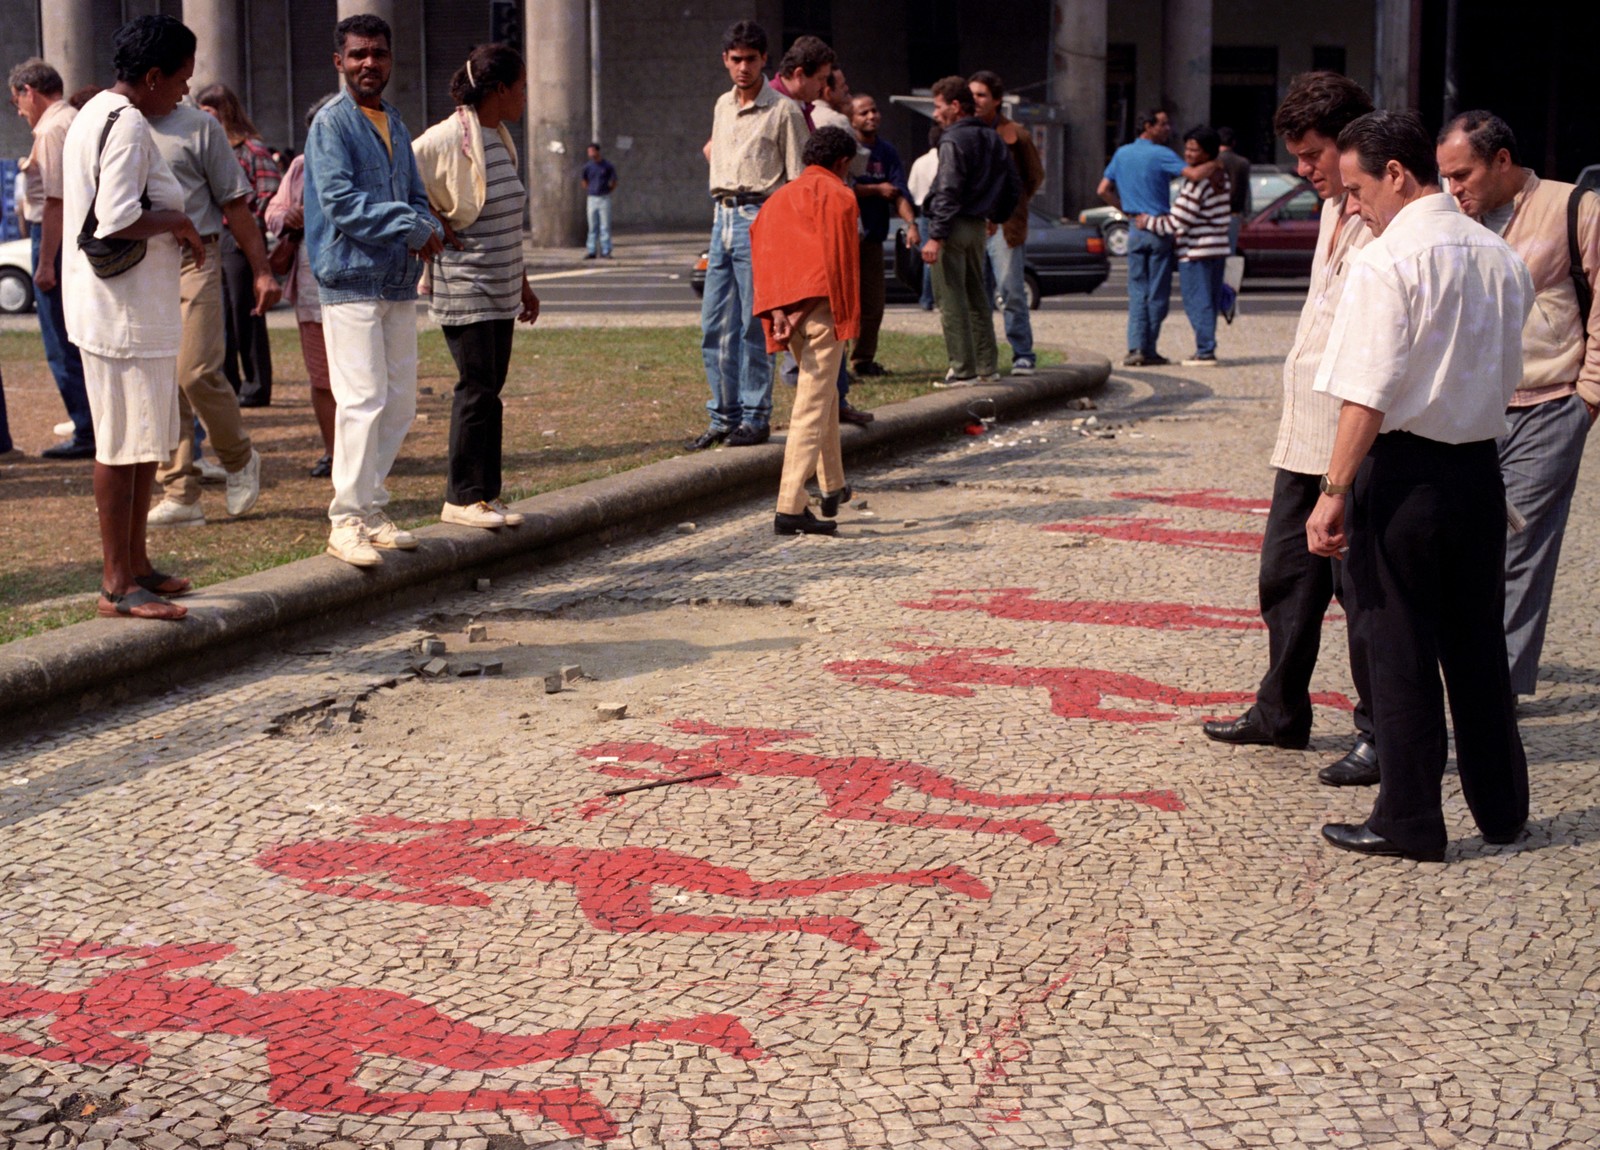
1393, 71
67, 32
1186, 63
1078, 87
216, 28
557, 51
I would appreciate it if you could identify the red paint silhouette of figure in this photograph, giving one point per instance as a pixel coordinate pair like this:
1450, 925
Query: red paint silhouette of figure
315, 1038
1132, 530
1075, 692
856, 787
1206, 499
1019, 603
615, 887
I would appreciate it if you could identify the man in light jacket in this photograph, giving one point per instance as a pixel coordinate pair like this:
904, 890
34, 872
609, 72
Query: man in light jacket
369, 232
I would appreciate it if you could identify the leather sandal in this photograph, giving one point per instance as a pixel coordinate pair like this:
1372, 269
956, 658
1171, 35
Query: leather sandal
167, 586
140, 604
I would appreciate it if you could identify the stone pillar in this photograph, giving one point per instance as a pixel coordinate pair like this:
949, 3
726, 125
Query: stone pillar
1186, 63
217, 30
557, 52
1078, 88
407, 86
67, 28
1392, 74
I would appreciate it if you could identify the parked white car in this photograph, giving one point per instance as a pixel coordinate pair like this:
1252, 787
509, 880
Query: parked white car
16, 277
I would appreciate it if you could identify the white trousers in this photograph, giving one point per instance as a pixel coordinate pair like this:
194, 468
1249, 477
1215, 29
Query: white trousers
372, 366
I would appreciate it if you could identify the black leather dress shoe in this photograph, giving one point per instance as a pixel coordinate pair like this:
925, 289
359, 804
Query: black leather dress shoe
855, 415
1349, 837
1248, 730
1357, 769
830, 503
746, 436
69, 449
803, 524
706, 439
1504, 838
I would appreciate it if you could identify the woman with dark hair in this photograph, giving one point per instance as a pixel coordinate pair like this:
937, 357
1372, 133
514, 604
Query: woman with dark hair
248, 360
469, 167
285, 217
124, 315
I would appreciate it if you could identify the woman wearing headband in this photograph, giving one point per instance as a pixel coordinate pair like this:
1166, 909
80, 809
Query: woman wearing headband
469, 167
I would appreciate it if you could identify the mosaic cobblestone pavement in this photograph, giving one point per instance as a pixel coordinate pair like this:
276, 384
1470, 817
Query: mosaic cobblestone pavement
945, 861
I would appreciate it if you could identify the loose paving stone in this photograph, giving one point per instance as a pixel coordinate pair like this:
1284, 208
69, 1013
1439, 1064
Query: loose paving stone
918, 845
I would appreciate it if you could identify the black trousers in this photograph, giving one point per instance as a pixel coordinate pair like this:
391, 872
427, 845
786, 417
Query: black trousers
1427, 530
482, 352
247, 358
1295, 587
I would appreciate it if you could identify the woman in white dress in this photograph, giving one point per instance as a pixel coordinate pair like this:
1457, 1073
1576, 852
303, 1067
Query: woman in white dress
127, 325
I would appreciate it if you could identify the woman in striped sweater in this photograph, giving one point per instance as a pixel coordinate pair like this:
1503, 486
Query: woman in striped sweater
1199, 219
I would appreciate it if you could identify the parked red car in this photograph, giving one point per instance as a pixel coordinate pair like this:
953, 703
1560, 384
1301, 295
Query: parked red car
1279, 241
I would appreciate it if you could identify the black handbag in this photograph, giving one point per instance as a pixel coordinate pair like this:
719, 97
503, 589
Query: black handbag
109, 257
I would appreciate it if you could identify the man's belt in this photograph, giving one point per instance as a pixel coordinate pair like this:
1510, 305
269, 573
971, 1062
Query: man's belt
738, 199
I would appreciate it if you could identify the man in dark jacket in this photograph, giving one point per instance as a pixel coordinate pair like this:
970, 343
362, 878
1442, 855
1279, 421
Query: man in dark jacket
977, 183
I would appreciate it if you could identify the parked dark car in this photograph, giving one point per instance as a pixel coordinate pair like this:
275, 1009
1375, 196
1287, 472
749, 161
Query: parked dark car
1060, 258
1279, 241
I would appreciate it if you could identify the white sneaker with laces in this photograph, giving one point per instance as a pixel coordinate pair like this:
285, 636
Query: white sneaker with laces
512, 518
244, 485
478, 514
211, 472
1022, 367
381, 532
952, 380
348, 541
1200, 361
171, 513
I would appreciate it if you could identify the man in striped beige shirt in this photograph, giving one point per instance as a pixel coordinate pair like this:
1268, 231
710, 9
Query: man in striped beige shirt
1295, 585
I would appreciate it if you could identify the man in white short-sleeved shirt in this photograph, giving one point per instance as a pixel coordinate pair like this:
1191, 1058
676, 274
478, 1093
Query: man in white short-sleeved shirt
1425, 352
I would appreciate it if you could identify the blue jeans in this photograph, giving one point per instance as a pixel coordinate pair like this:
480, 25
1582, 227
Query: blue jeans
1007, 263
66, 365
1149, 286
738, 368
926, 299
599, 212
1200, 281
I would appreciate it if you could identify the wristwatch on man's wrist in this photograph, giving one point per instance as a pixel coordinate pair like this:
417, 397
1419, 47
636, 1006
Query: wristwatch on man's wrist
1333, 488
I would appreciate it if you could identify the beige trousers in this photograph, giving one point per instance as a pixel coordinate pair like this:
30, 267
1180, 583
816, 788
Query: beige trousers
202, 388
812, 444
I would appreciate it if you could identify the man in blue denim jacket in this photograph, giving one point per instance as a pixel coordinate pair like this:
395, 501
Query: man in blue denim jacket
368, 232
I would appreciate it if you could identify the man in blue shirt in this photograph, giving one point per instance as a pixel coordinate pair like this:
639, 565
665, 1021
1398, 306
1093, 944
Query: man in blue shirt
1137, 182
599, 179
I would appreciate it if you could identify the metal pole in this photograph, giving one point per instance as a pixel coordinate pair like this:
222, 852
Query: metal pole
1452, 61
594, 70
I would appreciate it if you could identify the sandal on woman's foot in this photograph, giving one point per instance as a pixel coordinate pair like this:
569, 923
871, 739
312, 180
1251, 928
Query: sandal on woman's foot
167, 586
140, 604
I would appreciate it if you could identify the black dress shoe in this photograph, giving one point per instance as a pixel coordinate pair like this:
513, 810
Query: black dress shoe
322, 468
746, 436
1349, 837
1505, 838
706, 439
1357, 769
69, 449
803, 524
871, 367
830, 503
855, 415
1248, 731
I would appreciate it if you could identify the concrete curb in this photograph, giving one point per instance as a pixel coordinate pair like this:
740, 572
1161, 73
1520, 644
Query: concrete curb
231, 620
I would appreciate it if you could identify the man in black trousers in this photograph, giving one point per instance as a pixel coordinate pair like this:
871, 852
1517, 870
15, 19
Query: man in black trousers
1425, 353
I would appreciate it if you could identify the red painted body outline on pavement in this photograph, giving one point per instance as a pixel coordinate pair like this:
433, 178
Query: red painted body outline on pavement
1019, 603
853, 787
615, 887
1131, 529
315, 1038
1205, 499
1075, 692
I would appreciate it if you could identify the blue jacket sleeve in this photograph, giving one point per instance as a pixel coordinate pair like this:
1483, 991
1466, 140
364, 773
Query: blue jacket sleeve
358, 215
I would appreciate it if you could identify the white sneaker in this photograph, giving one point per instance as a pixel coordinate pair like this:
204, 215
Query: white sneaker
478, 514
1022, 367
348, 541
952, 380
171, 513
211, 472
244, 485
381, 532
1200, 361
512, 518
992, 377
64, 429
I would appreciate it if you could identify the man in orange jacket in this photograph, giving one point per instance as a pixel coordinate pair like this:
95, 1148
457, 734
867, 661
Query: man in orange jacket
805, 255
